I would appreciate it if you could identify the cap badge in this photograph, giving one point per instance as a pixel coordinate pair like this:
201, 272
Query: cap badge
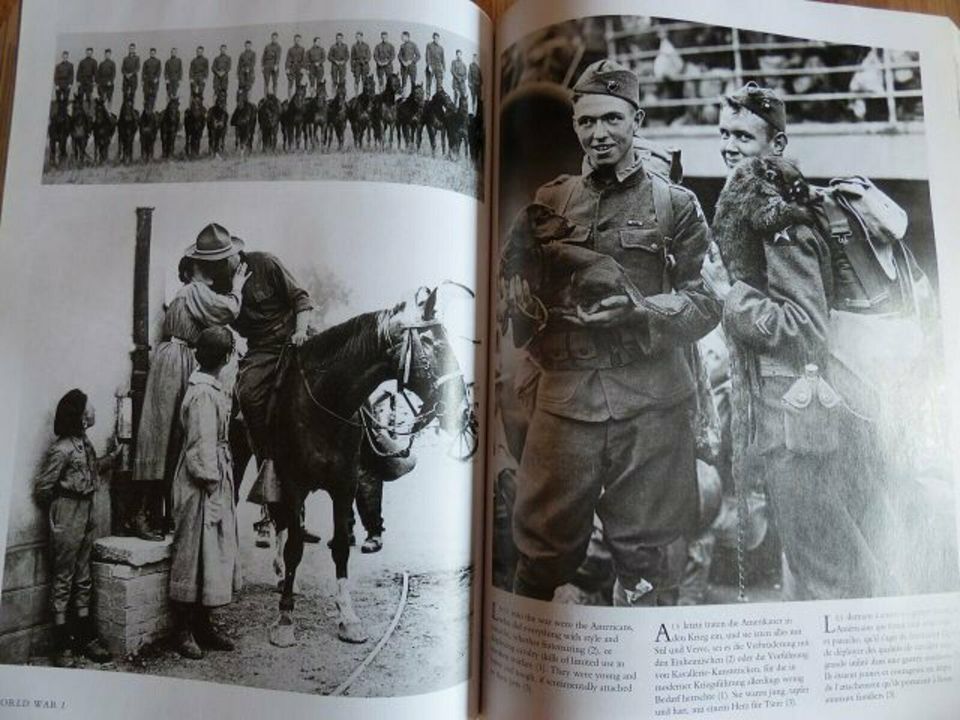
613, 85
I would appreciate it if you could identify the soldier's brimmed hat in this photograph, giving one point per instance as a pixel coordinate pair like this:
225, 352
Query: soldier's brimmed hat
606, 77
214, 243
763, 102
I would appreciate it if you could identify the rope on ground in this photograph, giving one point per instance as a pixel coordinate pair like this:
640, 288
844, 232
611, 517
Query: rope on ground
342, 688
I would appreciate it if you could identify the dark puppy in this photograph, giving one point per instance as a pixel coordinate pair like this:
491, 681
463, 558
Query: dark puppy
563, 276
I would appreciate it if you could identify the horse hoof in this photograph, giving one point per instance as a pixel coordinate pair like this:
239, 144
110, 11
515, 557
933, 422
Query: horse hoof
351, 632
281, 634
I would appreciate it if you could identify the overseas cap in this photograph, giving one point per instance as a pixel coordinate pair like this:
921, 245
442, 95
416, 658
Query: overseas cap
609, 78
762, 102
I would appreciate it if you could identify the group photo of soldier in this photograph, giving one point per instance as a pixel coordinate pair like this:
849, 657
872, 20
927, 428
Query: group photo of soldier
238, 92
719, 376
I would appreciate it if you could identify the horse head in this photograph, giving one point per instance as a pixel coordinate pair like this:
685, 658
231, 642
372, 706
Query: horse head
369, 87
427, 365
393, 82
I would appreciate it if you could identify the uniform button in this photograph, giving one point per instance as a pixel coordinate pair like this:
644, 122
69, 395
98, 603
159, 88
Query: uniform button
654, 246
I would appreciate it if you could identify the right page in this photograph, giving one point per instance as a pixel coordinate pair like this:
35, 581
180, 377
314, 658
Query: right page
721, 477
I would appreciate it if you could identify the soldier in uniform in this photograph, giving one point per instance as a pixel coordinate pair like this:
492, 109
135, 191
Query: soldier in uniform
436, 64
221, 72
316, 57
610, 431
106, 75
87, 75
830, 507
294, 64
199, 72
63, 76
458, 69
151, 79
130, 68
383, 56
359, 62
173, 74
409, 56
270, 64
339, 54
475, 81
245, 64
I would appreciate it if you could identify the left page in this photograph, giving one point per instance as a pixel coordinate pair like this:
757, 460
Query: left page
244, 289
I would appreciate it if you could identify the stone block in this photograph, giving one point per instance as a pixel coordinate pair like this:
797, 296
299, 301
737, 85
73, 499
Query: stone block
131, 592
23, 608
132, 551
19, 567
17, 648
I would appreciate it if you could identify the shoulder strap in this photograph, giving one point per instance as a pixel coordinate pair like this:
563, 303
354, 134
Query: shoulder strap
662, 205
663, 209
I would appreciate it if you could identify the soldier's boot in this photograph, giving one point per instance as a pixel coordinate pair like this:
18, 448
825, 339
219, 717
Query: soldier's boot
373, 544
140, 527
88, 643
62, 651
206, 633
184, 642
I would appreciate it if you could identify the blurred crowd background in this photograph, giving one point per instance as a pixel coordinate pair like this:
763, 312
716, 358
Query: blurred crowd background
685, 67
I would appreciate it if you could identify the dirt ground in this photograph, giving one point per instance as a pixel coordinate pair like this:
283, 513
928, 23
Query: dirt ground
390, 165
427, 518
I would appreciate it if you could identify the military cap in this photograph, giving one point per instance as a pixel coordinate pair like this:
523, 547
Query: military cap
763, 102
606, 77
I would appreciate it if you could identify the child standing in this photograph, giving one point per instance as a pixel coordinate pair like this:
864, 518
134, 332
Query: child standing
67, 481
205, 567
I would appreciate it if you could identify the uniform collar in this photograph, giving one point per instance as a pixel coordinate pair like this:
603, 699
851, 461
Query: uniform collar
198, 377
627, 167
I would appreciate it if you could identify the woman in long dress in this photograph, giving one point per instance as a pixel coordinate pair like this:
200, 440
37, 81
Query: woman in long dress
196, 306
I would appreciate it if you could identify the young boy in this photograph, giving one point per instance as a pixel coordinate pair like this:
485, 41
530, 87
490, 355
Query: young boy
205, 568
67, 481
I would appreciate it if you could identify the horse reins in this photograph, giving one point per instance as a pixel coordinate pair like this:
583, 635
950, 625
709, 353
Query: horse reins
367, 423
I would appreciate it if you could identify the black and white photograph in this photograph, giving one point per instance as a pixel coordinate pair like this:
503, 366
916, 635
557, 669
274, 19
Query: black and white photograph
719, 372
371, 100
248, 457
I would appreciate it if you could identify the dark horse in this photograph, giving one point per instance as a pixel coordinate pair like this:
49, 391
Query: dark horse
127, 129
194, 122
337, 116
410, 118
268, 113
435, 114
81, 123
315, 116
104, 126
217, 122
244, 121
360, 112
58, 130
385, 112
321, 424
169, 127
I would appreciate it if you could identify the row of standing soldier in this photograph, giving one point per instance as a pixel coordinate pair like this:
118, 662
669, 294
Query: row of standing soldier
90, 73
608, 452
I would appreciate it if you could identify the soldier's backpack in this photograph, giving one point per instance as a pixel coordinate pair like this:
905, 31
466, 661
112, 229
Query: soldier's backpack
868, 225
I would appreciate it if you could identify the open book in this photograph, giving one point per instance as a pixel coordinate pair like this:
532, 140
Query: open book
369, 359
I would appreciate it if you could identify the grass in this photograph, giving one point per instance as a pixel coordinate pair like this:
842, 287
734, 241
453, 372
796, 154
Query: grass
389, 165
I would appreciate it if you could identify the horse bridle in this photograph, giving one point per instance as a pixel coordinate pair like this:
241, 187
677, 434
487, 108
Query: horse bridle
431, 407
